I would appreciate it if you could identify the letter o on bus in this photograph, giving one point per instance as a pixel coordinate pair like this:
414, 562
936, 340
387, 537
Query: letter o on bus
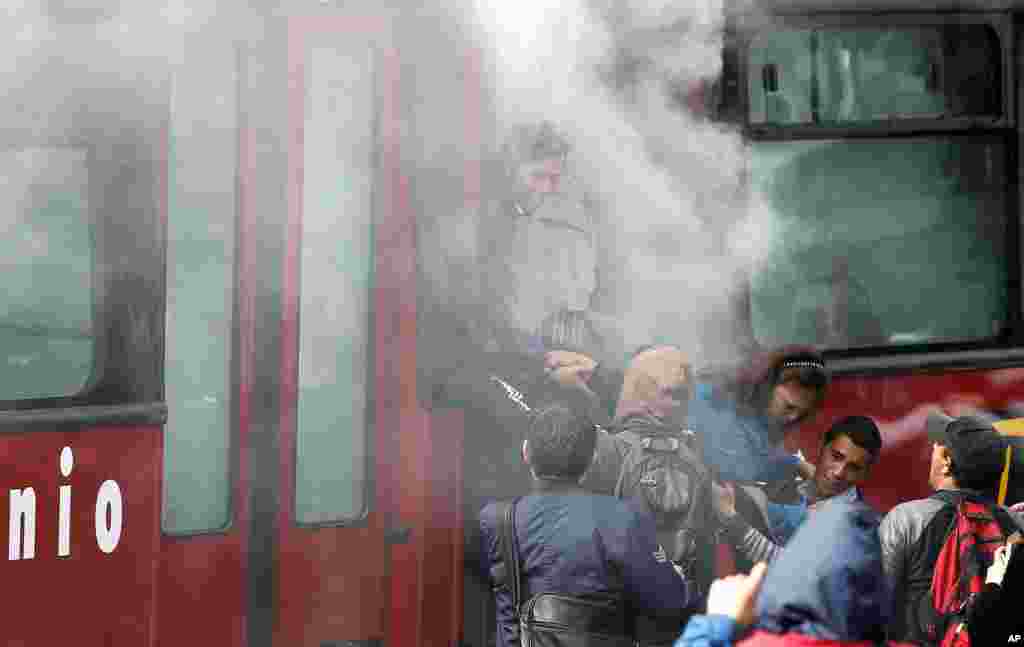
108, 501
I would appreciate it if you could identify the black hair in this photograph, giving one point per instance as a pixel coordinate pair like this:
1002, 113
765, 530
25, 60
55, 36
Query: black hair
570, 330
982, 471
861, 430
984, 477
561, 442
535, 143
752, 385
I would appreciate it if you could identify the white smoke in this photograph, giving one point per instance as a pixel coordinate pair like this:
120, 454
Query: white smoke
613, 75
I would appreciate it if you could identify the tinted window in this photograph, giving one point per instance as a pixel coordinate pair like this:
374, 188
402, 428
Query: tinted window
200, 291
336, 279
46, 255
863, 75
896, 241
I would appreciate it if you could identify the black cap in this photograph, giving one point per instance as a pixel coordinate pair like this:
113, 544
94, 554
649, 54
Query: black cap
975, 446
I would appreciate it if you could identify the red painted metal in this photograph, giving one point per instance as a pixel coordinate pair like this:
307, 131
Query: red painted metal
90, 597
900, 405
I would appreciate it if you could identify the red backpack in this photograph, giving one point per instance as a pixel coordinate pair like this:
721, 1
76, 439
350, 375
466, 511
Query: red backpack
973, 537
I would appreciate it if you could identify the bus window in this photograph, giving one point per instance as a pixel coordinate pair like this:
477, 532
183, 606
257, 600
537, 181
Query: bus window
200, 291
336, 277
861, 75
882, 242
46, 312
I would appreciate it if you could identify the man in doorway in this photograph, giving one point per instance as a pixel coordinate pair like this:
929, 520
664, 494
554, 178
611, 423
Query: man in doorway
538, 244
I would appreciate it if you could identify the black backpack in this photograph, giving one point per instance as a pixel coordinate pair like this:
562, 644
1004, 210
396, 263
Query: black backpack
662, 470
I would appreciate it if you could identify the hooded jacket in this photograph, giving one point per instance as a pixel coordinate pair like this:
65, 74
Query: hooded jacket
825, 589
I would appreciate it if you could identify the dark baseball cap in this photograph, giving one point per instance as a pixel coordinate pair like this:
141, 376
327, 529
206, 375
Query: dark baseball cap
976, 447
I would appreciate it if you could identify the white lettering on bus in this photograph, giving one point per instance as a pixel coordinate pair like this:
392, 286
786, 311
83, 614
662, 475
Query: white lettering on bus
67, 463
22, 525
108, 503
22, 521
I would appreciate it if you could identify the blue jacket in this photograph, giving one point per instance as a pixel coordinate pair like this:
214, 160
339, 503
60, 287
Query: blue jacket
826, 584
576, 543
709, 631
784, 519
738, 447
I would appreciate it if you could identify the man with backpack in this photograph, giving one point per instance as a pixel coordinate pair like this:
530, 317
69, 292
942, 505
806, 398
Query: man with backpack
936, 550
647, 456
569, 567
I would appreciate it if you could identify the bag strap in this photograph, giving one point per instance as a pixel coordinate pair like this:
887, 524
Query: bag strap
510, 551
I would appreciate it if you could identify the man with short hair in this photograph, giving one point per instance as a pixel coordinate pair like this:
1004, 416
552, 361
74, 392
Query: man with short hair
966, 464
849, 450
575, 543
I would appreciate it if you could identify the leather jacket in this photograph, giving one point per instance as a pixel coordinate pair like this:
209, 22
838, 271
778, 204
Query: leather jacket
912, 535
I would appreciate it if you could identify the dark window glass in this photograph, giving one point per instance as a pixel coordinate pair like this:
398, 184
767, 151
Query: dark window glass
863, 75
896, 241
46, 255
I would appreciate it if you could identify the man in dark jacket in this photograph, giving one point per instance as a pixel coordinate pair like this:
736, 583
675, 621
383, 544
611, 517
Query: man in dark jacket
966, 463
573, 542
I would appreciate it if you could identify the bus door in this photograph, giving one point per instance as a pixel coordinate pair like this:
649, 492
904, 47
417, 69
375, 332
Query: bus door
203, 592
364, 555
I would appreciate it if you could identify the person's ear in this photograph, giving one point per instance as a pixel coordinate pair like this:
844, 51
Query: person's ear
947, 461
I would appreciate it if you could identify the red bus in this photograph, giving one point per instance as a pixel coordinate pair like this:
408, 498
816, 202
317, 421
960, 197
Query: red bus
217, 419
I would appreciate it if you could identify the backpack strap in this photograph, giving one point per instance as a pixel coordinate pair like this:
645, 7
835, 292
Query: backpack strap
510, 550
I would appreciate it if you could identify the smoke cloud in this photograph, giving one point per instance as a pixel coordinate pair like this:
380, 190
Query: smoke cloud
616, 76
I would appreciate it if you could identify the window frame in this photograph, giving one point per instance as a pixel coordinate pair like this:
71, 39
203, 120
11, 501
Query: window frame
1001, 350
99, 328
750, 28
118, 390
303, 39
240, 315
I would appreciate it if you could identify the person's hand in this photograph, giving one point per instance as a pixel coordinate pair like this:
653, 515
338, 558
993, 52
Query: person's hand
724, 500
1000, 561
805, 470
569, 368
735, 596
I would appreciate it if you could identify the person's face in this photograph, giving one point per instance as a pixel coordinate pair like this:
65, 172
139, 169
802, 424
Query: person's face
938, 473
542, 177
841, 465
790, 403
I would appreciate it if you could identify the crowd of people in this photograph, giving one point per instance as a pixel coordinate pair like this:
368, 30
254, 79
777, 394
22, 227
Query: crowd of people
653, 490
688, 481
